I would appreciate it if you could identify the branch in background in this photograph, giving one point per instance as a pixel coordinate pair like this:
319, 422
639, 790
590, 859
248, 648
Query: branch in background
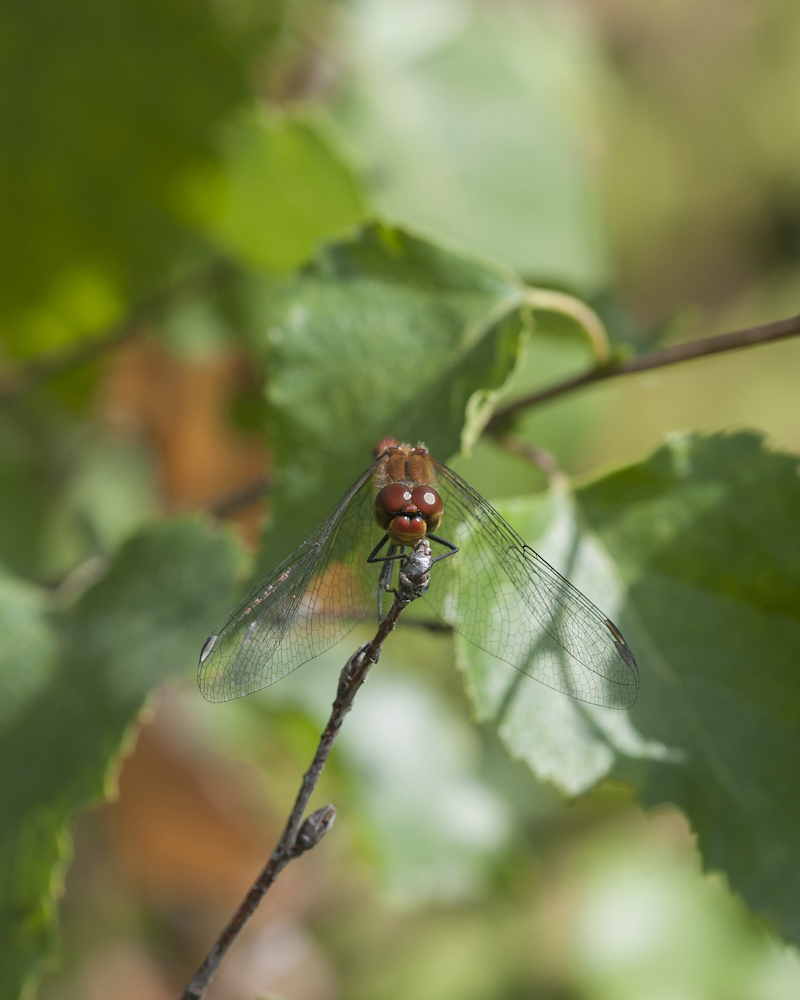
42, 369
245, 495
298, 835
537, 456
655, 359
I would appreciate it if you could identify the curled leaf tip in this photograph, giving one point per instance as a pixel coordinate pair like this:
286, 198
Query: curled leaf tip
552, 301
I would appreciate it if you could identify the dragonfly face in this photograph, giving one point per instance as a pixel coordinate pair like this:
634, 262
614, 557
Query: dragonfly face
486, 584
407, 506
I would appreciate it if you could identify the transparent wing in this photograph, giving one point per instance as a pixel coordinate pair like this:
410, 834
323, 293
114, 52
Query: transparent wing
504, 598
305, 606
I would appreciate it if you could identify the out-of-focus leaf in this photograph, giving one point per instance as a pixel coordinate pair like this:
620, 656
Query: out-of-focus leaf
473, 122
640, 914
455, 954
625, 914
25, 492
720, 156
107, 158
27, 645
288, 189
385, 334
67, 492
564, 741
112, 491
706, 535
141, 624
434, 825
196, 329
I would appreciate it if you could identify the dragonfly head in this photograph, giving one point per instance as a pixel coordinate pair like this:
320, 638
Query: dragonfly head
407, 513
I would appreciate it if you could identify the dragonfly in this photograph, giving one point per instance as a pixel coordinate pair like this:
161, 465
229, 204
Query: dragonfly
486, 584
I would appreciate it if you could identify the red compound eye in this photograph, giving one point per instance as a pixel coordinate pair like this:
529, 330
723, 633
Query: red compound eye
427, 501
392, 498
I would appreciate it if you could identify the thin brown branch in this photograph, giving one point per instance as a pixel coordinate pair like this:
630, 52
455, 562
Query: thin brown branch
300, 836
748, 337
42, 369
245, 495
532, 453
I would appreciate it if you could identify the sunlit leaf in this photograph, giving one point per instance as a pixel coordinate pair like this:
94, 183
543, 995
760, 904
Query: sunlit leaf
696, 554
385, 334
564, 741
288, 188
706, 536
473, 123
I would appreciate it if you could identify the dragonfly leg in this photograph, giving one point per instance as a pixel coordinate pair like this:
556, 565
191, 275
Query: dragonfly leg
385, 579
448, 545
373, 557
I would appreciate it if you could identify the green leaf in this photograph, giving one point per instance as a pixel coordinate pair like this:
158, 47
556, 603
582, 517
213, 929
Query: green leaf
695, 553
112, 490
566, 742
67, 491
144, 622
288, 189
27, 646
385, 334
706, 535
557, 349
26, 490
643, 922
472, 122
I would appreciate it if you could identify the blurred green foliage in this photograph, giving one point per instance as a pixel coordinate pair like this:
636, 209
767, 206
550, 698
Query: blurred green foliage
108, 158
382, 181
472, 121
286, 190
68, 718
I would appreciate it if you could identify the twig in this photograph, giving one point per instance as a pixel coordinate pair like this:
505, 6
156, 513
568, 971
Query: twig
537, 456
655, 359
300, 836
245, 495
40, 370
